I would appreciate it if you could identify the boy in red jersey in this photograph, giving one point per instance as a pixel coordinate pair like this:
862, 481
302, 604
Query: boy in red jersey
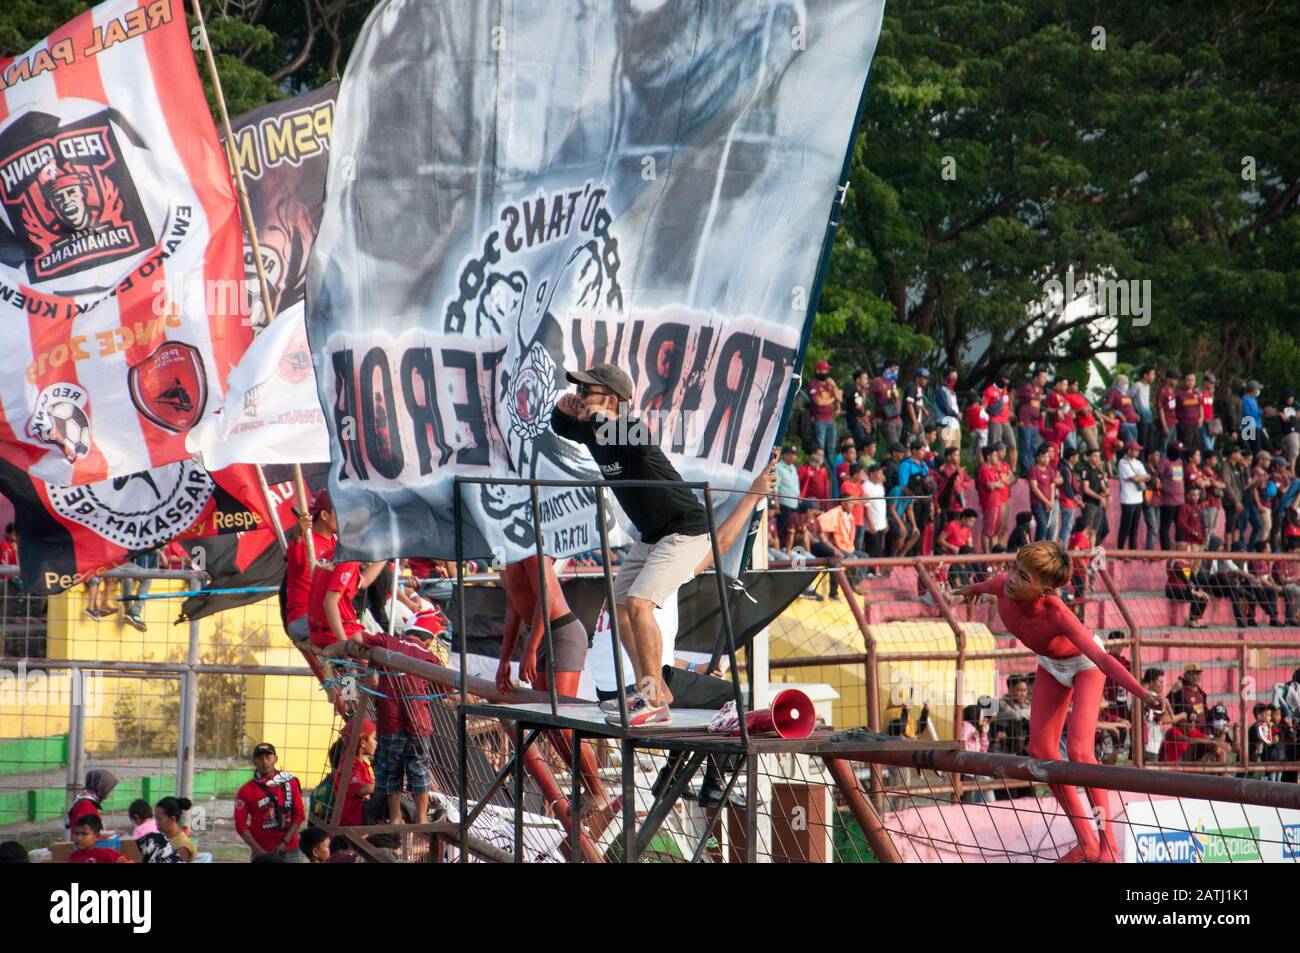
330, 613
86, 849
1072, 664
322, 525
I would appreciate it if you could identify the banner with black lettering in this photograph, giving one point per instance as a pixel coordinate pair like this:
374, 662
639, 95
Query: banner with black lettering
66, 534
282, 149
519, 189
121, 273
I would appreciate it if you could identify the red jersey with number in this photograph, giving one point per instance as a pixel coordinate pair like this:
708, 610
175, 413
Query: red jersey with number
344, 579
297, 574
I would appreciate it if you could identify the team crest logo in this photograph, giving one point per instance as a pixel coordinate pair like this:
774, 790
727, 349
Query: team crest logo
533, 395
70, 200
140, 511
295, 365
169, 387
61, 420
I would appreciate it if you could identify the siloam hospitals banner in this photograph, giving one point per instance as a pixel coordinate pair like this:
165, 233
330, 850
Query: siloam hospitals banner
520, 189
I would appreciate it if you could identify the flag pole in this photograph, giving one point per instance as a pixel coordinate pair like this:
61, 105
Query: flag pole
237, 174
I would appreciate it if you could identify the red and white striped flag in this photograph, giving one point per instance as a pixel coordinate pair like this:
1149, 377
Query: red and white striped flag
121, 254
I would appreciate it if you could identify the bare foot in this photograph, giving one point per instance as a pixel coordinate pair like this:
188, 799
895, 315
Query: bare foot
1077, 854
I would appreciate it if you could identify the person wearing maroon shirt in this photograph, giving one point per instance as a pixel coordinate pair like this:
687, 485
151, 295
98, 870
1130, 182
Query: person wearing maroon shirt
1180, 586
1172, 493
814, 480
1189, 523
997, 404
1167, 408
269, 808
330, 613
1069, 497
323, 526
952, 483
1286, 573
1029, 417
826, 399
361, 780
1189, 697
1189, 412
404, 752
1043, 481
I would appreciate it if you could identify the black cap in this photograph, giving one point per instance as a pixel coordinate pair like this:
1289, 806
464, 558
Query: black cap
264, 748
606, 375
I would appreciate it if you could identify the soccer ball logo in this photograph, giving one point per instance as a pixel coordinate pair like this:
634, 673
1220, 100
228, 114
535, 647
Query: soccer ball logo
71, 430
61, 420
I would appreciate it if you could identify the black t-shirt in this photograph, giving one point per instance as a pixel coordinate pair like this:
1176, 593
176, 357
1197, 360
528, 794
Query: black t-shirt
1093, 477
656, 512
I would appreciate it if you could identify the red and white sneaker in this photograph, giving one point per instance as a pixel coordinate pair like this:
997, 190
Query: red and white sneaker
641, 713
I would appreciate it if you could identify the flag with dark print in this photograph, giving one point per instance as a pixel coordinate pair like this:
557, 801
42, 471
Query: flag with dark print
523, 188
282, 150
67, 534
121, 272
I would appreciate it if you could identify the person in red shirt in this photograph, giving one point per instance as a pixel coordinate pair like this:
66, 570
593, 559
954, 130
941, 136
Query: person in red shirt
1073, 665
361, 780
1084, 421
1210, 428
269, 808
99, 785
957, 533
331, 614
1058, 418
993, 485
404, 754
1167, 408
9, 548
814, 480
997, 404
323, 525
85, 837
1189, 412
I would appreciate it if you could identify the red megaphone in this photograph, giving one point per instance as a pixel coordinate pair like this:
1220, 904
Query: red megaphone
791, 716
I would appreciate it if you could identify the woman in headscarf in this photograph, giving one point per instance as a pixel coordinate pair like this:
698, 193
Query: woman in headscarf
99, 785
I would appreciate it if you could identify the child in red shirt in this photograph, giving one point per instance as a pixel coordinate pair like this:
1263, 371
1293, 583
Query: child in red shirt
85, 836
1073, 665
330, 612
361, 781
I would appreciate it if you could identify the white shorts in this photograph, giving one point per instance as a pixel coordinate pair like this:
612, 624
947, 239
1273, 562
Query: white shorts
656, 572
1065, 669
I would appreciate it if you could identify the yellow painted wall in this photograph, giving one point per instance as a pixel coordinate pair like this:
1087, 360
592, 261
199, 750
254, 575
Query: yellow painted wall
291, 712
810, 629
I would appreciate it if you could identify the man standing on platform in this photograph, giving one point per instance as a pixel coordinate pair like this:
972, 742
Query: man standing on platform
670, 520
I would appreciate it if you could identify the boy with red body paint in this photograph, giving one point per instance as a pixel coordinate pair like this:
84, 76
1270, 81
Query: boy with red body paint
569, 638
1072, 664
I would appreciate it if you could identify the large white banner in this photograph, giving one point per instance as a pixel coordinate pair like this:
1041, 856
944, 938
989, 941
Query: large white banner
271, 413
1189, 831
523, 188
121, 265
